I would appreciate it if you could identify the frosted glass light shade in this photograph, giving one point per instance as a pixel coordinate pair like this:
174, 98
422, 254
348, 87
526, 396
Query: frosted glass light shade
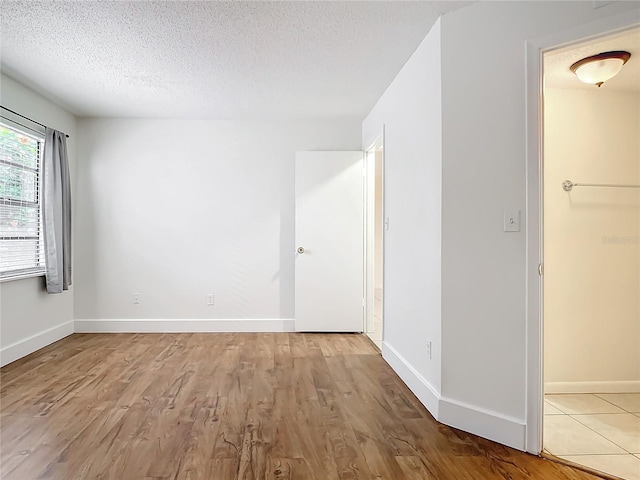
599, 68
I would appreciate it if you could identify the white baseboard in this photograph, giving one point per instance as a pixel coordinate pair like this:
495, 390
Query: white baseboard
628, 386
472, 419
422, 389
184, 326
491, 425
22, 348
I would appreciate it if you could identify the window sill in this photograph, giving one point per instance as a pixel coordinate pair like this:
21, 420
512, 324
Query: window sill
21, 275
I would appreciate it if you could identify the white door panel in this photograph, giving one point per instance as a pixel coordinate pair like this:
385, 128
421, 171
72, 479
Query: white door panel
329, 219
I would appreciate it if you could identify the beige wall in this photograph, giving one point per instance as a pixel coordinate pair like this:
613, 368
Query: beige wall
591, 241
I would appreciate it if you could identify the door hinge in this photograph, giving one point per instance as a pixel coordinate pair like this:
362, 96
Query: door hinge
540, 269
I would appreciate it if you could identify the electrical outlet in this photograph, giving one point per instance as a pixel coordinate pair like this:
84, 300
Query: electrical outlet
210, 299
136, 299
429, 349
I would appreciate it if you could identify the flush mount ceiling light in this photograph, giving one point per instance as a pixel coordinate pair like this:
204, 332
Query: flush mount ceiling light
597, 69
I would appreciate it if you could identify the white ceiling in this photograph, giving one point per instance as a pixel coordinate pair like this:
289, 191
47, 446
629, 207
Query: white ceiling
208, 59
557, 63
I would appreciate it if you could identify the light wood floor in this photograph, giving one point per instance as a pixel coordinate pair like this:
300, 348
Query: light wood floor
232, 406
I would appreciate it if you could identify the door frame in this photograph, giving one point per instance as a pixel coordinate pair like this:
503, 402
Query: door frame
534, 207
369, 240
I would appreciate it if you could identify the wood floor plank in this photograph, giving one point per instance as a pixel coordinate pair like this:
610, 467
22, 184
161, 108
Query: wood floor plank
414, 469
232, 406
288, 469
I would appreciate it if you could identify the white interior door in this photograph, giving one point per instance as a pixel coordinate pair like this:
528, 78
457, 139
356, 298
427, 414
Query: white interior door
329, 275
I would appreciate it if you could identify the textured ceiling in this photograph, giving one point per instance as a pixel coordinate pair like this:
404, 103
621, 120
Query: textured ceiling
213, 59
557, 62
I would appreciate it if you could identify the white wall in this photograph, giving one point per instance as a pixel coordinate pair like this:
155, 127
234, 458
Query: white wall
29, 317
411, 115
455, 158
175, 209
484, 172
592, 241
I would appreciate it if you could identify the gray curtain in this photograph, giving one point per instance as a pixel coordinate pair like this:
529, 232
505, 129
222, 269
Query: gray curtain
56, 212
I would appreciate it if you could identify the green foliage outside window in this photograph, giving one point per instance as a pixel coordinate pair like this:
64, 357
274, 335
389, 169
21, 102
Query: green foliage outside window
18, 179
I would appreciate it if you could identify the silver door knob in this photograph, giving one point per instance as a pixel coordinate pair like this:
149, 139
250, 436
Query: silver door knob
300, 250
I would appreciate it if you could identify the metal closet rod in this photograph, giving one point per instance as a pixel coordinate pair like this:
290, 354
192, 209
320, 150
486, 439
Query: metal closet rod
26, 118
567, 185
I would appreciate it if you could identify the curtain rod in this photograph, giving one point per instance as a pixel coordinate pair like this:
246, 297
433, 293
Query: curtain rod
567, 185
26, 118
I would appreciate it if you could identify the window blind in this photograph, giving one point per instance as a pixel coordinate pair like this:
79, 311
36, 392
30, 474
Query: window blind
21, 239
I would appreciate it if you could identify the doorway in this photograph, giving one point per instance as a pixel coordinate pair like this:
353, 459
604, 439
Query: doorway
374, 241
591, 244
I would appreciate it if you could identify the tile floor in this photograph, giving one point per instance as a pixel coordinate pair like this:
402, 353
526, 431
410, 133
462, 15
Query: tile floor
376, 335
601, 431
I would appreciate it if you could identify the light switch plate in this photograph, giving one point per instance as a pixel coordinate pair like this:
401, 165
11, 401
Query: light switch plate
512, 220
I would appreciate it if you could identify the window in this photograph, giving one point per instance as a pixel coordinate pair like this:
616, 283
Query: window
21, 241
